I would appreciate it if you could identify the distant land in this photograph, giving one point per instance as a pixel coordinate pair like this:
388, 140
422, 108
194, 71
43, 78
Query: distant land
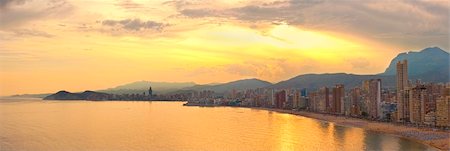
142, 86
86, 95
429, 65
429, 60
237, 85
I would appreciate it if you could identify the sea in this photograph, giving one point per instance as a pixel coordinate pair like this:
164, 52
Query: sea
28, 124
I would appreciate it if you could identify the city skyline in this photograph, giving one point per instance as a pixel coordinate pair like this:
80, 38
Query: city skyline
47, 46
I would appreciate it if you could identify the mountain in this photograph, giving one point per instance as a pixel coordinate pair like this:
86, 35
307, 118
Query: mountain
86, 95
428, 65
422, 63
143, 86
315, 81
237, 85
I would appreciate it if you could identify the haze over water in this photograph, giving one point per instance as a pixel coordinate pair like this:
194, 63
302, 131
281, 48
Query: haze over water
84, 125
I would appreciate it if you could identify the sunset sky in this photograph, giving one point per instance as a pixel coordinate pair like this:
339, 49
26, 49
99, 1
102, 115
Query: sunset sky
50, 45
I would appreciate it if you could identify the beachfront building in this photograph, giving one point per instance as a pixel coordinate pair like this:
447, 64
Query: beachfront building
313, 103
402, 86
338, 99
280, 99
442, 111
430, 118
417, 104
323, 101
271, 95
355, 99
374, 98
296, 99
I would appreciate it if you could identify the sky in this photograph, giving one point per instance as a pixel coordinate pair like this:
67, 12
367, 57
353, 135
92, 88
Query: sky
76, 45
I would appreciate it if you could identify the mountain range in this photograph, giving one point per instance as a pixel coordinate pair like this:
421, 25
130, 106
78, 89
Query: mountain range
143, 86
428, 65
238, 85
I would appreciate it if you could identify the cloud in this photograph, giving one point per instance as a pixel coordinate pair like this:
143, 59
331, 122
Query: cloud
22, 33
132, 6
178, 4
14, 13
6, 3
272, 11
32, 32
135, 24
129, 4
198, 13
395, 22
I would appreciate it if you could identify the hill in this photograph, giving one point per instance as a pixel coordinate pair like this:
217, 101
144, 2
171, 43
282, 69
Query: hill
143, 86
428, 65
237, 85
315, 81
86, 95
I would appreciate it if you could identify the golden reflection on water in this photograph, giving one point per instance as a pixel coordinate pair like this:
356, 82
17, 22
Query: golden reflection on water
82, 125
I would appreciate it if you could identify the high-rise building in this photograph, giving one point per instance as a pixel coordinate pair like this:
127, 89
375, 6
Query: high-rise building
355, 98
417, 97
442, 111
402, 84
312, 101
323, 100
443, 107
338, 99
272, 97
296, 99
374, 98
402, 75
434, 91
280, 99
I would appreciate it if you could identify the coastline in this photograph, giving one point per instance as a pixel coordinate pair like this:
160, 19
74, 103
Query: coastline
438, 139
435, 139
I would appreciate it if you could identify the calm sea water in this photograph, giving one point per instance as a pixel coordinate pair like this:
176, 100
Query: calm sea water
83, 125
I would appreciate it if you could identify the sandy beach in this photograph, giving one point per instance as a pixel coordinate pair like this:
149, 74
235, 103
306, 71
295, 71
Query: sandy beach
436, 138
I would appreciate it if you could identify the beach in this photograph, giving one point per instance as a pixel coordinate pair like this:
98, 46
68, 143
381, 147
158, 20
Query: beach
439, 139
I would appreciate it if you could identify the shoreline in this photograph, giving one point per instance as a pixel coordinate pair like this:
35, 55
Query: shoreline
437, 139
441, 140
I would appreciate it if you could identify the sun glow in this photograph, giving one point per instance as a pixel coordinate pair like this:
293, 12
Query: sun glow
64, 51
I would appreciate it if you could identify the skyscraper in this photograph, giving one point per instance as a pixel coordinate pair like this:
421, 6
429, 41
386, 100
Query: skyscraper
280, 99
272, 97
355, 96
402, 84
312, 101
442, 108
296, 99
323, 100
374, 96
417, 104
338, 99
